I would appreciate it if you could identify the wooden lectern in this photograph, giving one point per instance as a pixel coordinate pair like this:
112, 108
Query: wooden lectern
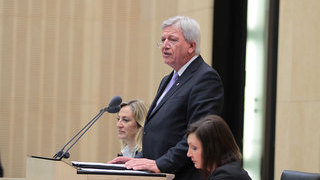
50, 169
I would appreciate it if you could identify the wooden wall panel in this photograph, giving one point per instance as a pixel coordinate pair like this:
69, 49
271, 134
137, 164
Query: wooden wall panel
298, 89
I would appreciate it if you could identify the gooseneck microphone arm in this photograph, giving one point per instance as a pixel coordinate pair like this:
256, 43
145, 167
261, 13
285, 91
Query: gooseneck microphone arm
114, 107
66, 153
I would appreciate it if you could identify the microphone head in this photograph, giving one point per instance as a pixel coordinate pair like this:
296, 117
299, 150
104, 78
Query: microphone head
115, 101
114, 105
114, 109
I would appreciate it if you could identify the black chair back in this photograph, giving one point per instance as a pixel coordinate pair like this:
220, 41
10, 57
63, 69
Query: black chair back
297, 175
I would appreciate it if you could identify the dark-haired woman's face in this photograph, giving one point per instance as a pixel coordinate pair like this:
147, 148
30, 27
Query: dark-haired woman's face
195, 150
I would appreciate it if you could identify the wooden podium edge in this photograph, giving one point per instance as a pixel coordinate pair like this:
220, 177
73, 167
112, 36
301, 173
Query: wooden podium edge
40, 168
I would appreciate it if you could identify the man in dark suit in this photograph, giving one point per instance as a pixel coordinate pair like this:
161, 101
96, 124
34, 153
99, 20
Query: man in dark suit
192, 90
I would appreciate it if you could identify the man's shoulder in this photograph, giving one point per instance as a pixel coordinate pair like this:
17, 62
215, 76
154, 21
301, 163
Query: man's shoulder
203, 65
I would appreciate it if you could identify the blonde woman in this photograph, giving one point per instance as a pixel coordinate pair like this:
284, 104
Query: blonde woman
130, 124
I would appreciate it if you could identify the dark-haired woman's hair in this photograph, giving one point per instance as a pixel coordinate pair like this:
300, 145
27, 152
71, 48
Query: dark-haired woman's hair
218, 144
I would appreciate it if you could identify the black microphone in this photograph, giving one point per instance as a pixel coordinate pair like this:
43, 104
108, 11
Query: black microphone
114, 107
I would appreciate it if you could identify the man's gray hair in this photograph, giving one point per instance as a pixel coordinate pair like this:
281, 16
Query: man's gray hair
190, 29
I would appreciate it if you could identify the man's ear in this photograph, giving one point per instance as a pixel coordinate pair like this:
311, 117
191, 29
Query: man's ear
192, 47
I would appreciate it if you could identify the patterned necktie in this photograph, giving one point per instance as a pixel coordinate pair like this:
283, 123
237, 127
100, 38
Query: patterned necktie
171, 83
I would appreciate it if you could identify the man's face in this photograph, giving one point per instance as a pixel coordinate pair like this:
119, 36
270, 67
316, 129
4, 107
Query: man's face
175, 50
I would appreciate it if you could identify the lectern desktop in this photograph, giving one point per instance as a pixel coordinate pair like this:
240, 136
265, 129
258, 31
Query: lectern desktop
50, 169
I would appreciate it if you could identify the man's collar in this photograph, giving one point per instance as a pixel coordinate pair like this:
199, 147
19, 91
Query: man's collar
184, 67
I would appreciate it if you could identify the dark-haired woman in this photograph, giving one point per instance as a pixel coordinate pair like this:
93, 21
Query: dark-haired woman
214, 151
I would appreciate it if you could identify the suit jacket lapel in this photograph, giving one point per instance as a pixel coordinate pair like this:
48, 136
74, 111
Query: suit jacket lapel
187, 74
162, 86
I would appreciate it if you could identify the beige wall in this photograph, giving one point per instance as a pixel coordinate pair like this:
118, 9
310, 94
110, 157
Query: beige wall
298, 93
61, 61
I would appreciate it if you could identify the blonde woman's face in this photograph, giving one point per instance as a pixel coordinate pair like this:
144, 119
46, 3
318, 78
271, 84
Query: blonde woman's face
195, 150
127, 125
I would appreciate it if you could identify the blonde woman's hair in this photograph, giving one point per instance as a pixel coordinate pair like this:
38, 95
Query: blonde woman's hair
139, 111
